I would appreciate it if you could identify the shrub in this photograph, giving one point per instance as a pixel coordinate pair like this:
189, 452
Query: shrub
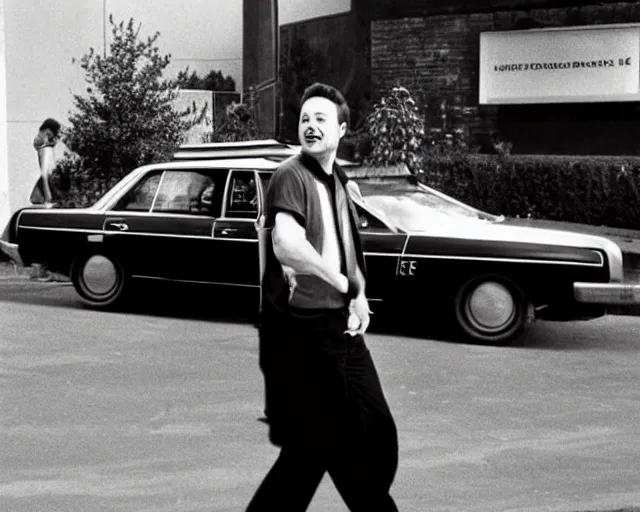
126, 119
396, 130
77, 184
589, 190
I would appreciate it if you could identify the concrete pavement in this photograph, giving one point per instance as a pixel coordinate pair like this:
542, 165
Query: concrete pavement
145, 411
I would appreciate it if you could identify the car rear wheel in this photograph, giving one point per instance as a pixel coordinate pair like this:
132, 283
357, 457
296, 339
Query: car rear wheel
493, 310
99, 279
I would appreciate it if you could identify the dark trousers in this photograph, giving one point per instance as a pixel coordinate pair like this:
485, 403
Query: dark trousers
327, 411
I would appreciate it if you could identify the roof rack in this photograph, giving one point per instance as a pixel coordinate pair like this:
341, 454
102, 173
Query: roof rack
267, 148
245, 144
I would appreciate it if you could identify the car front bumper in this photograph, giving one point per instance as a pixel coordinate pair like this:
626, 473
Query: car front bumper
615, 294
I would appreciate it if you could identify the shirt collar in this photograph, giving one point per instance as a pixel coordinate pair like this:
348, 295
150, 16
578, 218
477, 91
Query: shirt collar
317, 170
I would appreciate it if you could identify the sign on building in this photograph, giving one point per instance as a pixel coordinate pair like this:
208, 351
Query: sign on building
560, 65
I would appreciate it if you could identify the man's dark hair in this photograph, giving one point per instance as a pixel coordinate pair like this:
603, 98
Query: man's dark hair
50, 124
332, 94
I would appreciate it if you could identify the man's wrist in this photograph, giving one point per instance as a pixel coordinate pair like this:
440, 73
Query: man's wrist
353, 288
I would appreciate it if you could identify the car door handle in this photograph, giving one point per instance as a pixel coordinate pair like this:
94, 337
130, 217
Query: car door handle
121, 226
228, 231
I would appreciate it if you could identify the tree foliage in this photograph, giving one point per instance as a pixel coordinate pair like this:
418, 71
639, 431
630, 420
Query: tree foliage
212, 81
126, 118
397, 131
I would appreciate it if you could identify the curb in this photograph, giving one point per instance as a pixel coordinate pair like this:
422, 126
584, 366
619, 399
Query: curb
31, 280
15, 278
10, 271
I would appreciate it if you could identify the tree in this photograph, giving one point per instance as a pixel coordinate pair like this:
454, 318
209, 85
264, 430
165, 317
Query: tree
127, 118
397, 131
212, 81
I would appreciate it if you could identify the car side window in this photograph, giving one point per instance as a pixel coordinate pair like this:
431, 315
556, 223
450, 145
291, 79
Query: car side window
242, 197
186, 192
140, 197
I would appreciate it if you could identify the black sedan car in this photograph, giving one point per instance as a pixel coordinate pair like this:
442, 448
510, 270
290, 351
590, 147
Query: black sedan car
193, 220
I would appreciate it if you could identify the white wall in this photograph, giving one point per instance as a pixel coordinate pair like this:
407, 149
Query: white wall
290, 11
42, 38
41, 41
201, 34
5, 208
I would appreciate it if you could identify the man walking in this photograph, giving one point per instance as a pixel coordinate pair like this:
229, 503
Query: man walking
324, 402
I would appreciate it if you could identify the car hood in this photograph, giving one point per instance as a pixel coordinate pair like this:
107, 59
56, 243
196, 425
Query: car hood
499, 231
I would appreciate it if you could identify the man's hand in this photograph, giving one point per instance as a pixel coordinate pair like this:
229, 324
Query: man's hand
359, 318
290, 277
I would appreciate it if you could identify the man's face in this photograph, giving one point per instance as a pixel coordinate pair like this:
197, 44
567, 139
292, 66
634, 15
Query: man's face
319, 131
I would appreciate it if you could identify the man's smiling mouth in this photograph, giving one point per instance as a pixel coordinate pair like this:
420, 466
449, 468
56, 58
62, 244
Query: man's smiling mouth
310, 138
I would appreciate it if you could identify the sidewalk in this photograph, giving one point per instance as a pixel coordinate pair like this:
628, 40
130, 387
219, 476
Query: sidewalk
9, 271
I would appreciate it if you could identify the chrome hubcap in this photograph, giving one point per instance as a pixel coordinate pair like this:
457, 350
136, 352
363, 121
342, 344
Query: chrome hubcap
491, 307
99, 275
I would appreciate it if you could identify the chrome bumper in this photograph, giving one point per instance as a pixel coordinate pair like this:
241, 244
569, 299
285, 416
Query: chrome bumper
618, 294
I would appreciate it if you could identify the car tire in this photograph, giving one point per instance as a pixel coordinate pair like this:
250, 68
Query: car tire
99, 279
493, 310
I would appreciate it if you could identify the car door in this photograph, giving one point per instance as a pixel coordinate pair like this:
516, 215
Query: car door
382, 248
163, 227
234, 233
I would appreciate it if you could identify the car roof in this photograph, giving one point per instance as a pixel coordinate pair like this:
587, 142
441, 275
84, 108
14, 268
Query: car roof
222, 164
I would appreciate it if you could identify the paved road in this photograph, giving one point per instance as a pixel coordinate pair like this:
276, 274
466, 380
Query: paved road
148, 411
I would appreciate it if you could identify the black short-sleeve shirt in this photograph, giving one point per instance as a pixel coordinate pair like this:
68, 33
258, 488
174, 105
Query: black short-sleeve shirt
293, 188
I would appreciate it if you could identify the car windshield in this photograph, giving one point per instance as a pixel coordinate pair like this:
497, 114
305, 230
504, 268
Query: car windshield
415, 207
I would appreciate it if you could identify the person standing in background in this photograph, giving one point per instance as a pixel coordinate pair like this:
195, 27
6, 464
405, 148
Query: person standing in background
44, 142
42, 194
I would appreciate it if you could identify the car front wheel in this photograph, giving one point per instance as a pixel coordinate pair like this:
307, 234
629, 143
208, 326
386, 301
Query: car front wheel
493, 310
99, 279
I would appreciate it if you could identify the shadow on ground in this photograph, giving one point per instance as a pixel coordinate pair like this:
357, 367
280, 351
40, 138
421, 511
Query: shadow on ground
212, 304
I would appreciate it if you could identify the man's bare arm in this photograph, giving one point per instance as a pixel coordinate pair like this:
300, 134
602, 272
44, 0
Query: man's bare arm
361, 281
292, 249
359, 307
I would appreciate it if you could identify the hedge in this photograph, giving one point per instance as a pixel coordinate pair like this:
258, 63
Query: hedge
584, 189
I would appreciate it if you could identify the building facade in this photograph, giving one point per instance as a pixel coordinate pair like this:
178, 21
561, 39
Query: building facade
259, 52
433, 48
